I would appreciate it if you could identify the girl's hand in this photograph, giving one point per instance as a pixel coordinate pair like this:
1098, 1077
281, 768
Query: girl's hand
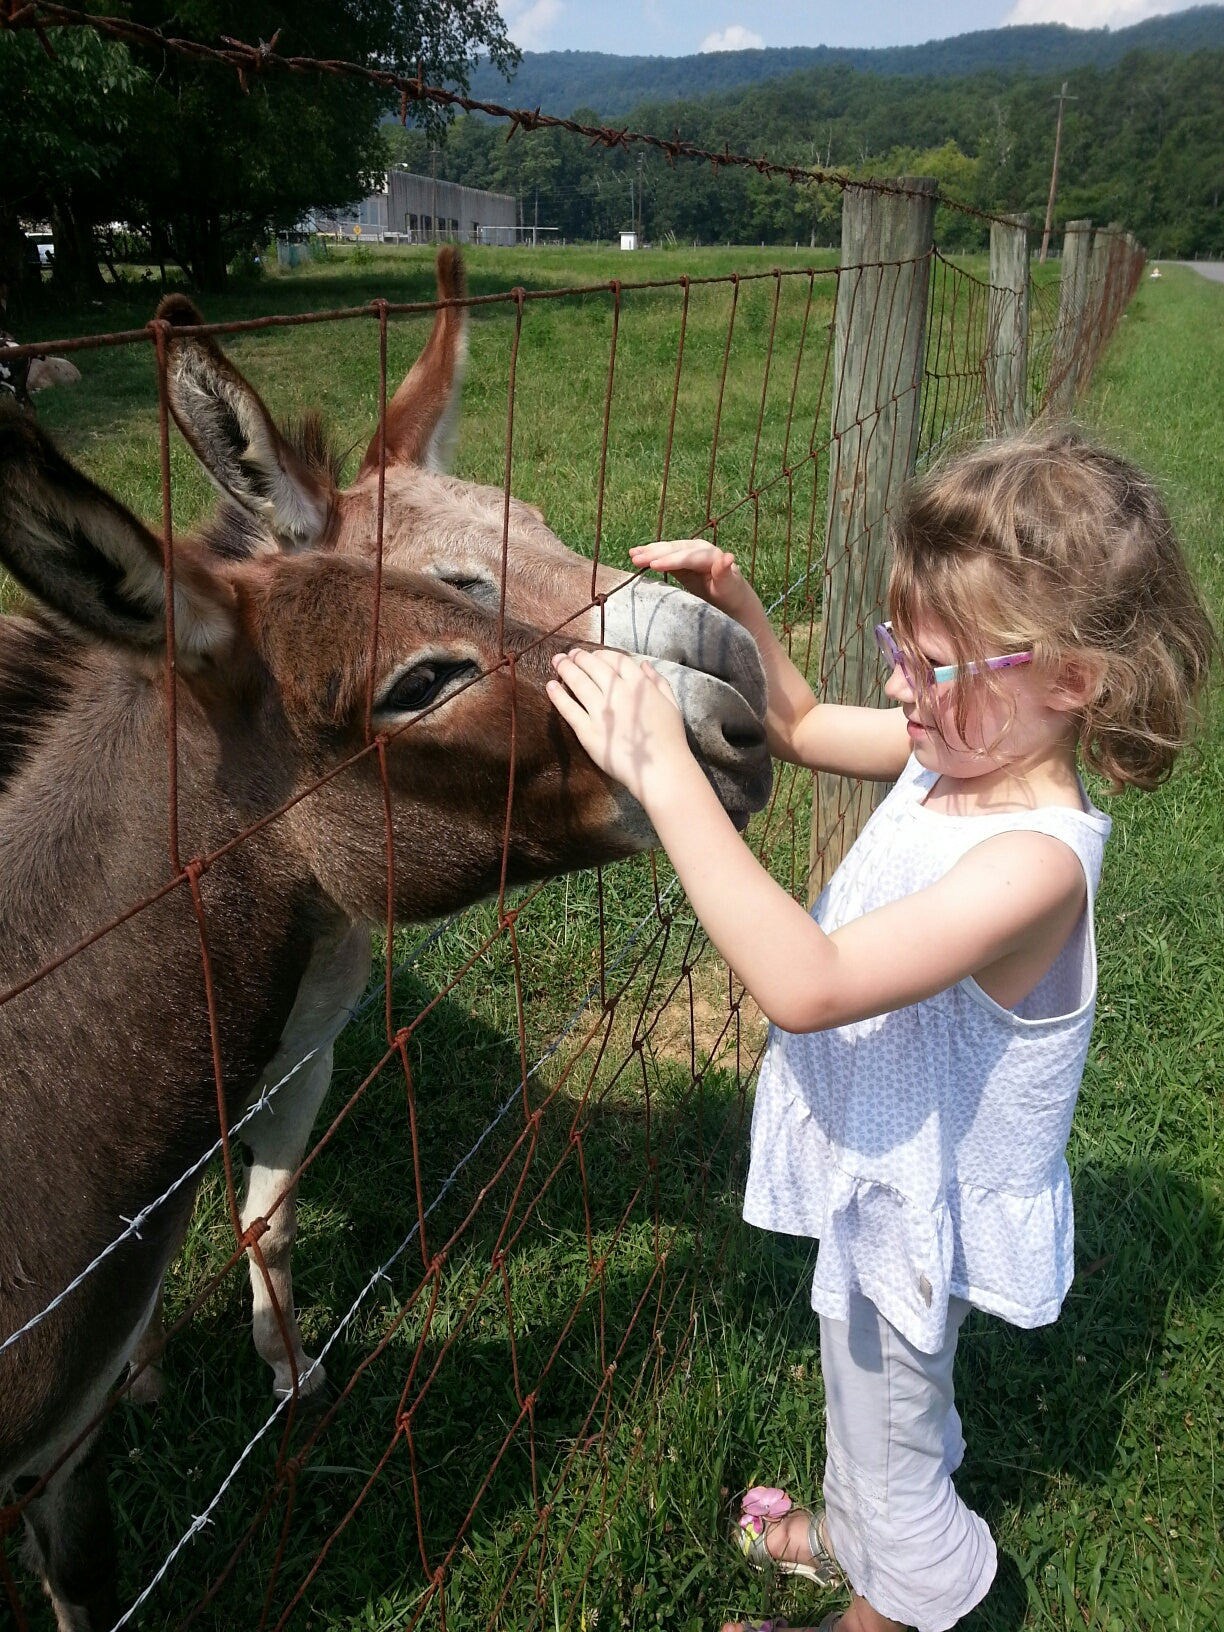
625, 715
703, 569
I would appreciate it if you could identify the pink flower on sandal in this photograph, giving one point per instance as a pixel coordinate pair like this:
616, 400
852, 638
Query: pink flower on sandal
761, 1504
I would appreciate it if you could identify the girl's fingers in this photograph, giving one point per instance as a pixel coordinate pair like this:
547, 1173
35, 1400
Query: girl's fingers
668, 545
696, 556
603, 666
581, 679
624, 664
659, 682
590, 675
570, 711
694, 552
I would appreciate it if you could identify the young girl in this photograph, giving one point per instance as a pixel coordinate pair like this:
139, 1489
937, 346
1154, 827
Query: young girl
930, 1020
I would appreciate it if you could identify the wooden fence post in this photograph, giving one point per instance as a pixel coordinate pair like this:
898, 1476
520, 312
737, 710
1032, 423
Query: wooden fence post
1008, 327
1117, 268
878, 352
1096, 305
1069, 334
1135, 264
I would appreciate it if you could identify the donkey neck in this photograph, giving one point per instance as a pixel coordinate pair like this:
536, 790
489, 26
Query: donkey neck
85, 822
83, 836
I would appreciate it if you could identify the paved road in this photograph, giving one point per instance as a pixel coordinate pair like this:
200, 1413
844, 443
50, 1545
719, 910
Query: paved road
1207, 269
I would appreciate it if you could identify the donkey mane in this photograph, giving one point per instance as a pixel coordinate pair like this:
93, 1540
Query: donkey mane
38, 665
316, 446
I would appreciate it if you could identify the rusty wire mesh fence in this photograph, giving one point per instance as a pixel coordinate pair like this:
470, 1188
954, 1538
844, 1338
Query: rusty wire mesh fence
516, 1201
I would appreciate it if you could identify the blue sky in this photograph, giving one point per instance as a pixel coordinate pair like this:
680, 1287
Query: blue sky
678, 27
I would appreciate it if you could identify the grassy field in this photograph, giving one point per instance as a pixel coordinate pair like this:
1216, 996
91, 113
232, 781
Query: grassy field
1093, 1443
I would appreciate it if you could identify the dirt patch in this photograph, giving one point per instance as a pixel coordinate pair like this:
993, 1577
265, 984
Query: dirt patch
706, 1027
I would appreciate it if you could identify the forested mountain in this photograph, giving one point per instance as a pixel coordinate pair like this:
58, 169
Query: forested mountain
559, 81
1141, 144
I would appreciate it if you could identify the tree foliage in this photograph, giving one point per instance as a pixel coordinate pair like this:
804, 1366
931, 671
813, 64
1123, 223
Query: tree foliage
1140, 145
66, 124
559, 80
182, 150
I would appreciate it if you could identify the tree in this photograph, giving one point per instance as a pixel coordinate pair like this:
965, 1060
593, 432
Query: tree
66, 119
228, 165
207, 167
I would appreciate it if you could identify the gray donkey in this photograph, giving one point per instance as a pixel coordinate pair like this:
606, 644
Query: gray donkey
108, 1057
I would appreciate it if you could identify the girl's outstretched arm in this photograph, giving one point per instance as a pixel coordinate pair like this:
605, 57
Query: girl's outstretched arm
1002, 913
868, 743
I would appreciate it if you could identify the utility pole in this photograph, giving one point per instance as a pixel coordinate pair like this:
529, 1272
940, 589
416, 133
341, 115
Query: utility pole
1045, 237
433, 163
641, 158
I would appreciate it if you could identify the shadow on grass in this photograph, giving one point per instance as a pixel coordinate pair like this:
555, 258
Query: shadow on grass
1039, 1407
550, 1274
1064, 1403
408, 280
577, 1309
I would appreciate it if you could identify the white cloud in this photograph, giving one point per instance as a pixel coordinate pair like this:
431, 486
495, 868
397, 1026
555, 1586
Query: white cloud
1090, 13
530, 22
735, 38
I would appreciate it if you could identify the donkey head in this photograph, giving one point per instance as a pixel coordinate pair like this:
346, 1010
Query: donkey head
459, 533
276, 655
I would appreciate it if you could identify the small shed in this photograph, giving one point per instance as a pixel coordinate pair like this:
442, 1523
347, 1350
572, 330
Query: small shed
629, 240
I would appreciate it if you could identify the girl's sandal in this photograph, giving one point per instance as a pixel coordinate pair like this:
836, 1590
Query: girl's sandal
762, 1508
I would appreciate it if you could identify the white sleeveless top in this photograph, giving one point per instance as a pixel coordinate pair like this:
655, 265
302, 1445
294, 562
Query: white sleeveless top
926, 1148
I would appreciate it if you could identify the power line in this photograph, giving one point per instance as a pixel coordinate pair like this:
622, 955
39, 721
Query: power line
1045, 237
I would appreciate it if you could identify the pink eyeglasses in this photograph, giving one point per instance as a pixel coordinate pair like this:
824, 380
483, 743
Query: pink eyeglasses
938, 674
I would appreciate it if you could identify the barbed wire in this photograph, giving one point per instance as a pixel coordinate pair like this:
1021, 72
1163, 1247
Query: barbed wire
245, 59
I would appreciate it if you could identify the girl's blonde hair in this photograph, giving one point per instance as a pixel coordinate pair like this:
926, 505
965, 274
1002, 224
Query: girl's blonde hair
1045, 543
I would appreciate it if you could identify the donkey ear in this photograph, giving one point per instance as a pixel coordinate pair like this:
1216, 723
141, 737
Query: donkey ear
233, 436
423, 415
84, 556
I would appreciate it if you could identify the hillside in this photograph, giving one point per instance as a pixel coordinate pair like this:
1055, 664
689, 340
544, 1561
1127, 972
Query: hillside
560, 81
1140, 145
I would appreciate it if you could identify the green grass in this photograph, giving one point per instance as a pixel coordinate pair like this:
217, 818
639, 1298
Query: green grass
1093, 1444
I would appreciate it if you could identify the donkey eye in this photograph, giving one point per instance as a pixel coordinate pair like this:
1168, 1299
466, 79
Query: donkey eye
422, 684
477, 588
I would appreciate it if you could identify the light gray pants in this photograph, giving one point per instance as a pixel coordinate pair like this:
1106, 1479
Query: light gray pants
904, 1538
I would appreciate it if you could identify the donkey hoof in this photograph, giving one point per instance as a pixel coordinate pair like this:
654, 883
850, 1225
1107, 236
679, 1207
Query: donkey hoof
313, 1388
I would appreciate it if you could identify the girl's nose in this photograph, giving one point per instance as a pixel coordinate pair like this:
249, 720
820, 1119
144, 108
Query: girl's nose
897, 687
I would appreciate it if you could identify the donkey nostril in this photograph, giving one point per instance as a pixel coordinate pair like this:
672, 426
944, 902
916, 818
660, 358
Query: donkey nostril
743, 737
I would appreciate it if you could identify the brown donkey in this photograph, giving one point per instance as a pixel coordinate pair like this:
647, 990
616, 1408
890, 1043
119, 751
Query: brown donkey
109, 1090
452, 530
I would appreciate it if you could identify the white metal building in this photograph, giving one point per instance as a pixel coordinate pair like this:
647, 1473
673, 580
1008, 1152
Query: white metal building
415, 209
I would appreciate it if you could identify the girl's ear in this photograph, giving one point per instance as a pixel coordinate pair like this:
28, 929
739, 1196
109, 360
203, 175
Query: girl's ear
1075, 685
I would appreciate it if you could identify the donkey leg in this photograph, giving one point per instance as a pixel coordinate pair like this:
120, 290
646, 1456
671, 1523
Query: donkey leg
277, 1140
145, 1364
72, 1543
